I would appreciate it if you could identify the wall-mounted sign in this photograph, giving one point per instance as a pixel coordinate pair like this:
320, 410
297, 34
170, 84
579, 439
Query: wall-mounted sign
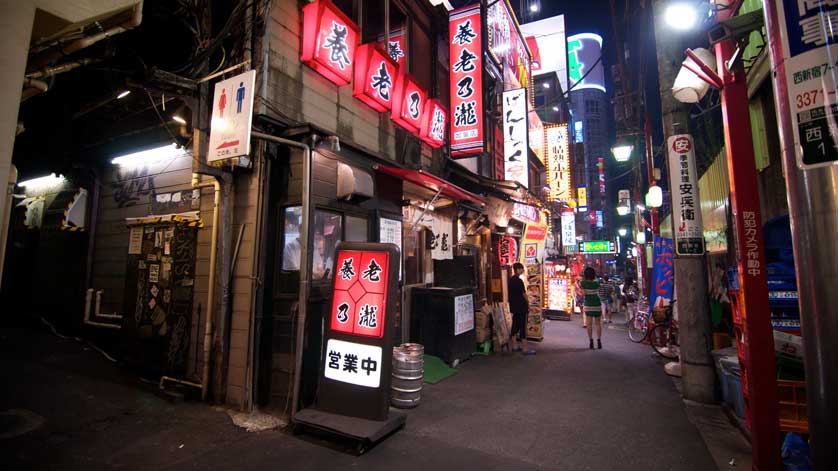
232, 115
568, 227
506, 43
597, 246
396, 46
530, 252
507, 251
515, 148
498, 153
408, 103
600, 168
355, 379
584, 66
578, 134
329, 41
599, 221
463, 314
689, 238
535, 232
549, 35
466, 85
558, 163
809, 46
582, 199
663, 273
526, 213
375, 77
434, 119
536, 134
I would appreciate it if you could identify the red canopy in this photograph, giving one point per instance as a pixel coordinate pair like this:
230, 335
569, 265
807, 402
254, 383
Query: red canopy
433, 183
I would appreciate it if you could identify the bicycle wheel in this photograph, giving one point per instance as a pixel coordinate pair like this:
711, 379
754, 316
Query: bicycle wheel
664, 341
638, 326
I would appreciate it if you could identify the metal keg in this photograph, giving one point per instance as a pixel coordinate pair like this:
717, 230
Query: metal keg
408, 370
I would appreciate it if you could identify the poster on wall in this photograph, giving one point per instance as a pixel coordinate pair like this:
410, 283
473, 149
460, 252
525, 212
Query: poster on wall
463, 314
689, 236
466, 86
809, 46
558, 163
515, 148
442, 243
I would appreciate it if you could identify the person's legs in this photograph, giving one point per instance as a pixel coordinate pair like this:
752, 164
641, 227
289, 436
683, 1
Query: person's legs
584, 319
598, 321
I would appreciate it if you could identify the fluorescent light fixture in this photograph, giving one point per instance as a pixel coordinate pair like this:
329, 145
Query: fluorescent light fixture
622, 153
555, 108
546, 84
123, 94
622, 231
42, 182
178, 119
146, 157
681, 16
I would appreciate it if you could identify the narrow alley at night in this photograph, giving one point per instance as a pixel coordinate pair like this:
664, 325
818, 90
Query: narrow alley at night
418, 234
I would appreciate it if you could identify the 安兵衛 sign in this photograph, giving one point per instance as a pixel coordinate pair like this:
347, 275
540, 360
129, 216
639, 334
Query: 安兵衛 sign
686, 210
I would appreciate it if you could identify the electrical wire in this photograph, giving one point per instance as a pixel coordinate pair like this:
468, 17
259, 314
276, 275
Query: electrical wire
77, 339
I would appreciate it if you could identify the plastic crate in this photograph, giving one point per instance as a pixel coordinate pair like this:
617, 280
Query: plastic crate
792, 406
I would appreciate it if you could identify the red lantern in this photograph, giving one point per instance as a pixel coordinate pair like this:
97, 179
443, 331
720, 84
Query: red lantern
507, 251
434, 122
375, 77
359, 298
408, 101
329, 41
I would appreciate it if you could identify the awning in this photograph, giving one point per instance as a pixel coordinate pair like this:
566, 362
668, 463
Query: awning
433, 183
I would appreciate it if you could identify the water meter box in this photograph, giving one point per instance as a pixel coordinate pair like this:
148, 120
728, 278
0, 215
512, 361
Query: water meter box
442, 319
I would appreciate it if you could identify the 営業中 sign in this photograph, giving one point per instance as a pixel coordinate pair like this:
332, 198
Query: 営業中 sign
689, 236
232, 115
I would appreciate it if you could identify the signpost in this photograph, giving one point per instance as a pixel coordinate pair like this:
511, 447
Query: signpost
353, 397
232, 115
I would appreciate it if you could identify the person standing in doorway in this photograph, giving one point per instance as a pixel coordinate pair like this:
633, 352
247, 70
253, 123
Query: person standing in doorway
593, 307
519, 305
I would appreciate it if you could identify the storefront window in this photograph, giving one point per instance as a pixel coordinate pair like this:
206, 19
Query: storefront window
291, 238
356, 229
327, 233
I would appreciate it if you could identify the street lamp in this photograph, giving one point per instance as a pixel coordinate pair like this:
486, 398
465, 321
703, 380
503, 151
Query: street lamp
681, 16
654, 198
622, 231
622, 153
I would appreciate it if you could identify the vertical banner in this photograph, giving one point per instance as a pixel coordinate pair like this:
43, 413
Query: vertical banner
568, 227
810, 48
443, 230
358, 343
466, 86
689, 237
515, 148
558, 163
536, 134
600, 166
663, 273
582, 199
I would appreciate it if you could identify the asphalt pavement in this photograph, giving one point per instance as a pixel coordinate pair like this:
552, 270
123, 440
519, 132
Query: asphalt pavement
566, 408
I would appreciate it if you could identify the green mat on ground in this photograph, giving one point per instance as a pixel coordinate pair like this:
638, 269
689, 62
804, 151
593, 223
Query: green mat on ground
436, 370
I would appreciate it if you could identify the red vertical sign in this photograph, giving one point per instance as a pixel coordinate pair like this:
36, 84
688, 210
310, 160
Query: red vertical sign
466, 67
359, 301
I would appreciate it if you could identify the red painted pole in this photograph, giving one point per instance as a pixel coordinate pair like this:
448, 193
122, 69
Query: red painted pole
650, 173
759, 372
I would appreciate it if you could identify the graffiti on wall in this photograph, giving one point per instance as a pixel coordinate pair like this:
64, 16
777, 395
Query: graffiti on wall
132, 186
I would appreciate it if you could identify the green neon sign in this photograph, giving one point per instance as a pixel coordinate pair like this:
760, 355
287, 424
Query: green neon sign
574, 67
597, 246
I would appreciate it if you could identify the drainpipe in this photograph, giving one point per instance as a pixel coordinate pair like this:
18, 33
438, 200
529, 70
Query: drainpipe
304, 263
211, 290
32, 87
87, 299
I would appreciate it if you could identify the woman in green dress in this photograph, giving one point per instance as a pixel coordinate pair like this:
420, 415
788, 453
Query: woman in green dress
593, 307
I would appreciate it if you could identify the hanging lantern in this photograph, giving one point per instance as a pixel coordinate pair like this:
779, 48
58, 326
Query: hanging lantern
654, 198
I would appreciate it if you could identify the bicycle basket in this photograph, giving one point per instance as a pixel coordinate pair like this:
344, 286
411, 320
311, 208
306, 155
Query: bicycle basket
659, 314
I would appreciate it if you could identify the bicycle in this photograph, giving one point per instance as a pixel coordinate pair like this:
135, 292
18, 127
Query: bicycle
638, 322
664, 335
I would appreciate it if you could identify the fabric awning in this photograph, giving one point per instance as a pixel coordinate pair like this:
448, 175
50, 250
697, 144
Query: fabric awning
433, 183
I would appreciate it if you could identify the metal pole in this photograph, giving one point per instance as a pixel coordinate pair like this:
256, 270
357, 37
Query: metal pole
305, 223
650, 173
744, 196
813, 210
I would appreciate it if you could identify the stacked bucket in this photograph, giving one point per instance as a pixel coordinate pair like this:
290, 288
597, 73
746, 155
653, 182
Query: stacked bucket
408, 369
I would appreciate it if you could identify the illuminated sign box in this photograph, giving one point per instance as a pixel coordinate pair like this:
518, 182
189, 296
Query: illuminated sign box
597, 246
408, 100
434, 119
329, 41
466, 84
375, 76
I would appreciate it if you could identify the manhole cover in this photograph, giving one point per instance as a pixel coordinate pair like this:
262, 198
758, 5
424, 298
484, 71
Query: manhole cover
16, 422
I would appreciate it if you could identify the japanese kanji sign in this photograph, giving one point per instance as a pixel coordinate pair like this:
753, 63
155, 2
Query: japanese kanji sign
329, 41
568, 227
663, 273
600, 166
232, 115
507, 251
375, 77
689, 236
443, 233
525, 213
395, 47
558, 163
582, 199
434, 123
506, 43
466, 85
360, 327
408, 103
810, 48
515, 148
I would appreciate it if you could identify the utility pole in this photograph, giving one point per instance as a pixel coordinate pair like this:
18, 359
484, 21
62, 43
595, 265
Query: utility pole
697, 371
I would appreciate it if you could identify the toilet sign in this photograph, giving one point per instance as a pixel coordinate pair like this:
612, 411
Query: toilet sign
358, 343
232, 115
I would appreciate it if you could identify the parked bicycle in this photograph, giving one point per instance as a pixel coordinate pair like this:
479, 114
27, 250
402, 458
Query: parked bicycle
663, 336
637, 316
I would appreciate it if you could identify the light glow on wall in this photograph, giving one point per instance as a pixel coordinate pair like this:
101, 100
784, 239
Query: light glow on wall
150, 156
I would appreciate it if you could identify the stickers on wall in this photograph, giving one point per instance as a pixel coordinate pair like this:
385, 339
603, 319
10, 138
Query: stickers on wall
135, 241
154, 273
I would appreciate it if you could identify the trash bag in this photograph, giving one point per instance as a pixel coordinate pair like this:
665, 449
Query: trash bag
795, 453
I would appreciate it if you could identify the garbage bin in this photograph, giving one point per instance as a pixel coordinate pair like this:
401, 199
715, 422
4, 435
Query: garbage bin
442, 319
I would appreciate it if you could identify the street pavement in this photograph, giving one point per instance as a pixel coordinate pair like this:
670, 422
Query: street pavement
566, 408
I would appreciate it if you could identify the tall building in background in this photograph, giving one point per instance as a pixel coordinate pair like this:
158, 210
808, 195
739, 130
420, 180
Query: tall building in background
591, 112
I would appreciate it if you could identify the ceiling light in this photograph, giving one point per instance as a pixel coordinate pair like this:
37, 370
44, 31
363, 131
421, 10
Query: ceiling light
150, 156
42, 182
178, 119
534, 7
546, 84
123, 94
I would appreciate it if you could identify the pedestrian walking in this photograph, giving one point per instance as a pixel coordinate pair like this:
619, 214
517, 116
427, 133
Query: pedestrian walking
630, 295
593, 307
519, 305
606, 290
